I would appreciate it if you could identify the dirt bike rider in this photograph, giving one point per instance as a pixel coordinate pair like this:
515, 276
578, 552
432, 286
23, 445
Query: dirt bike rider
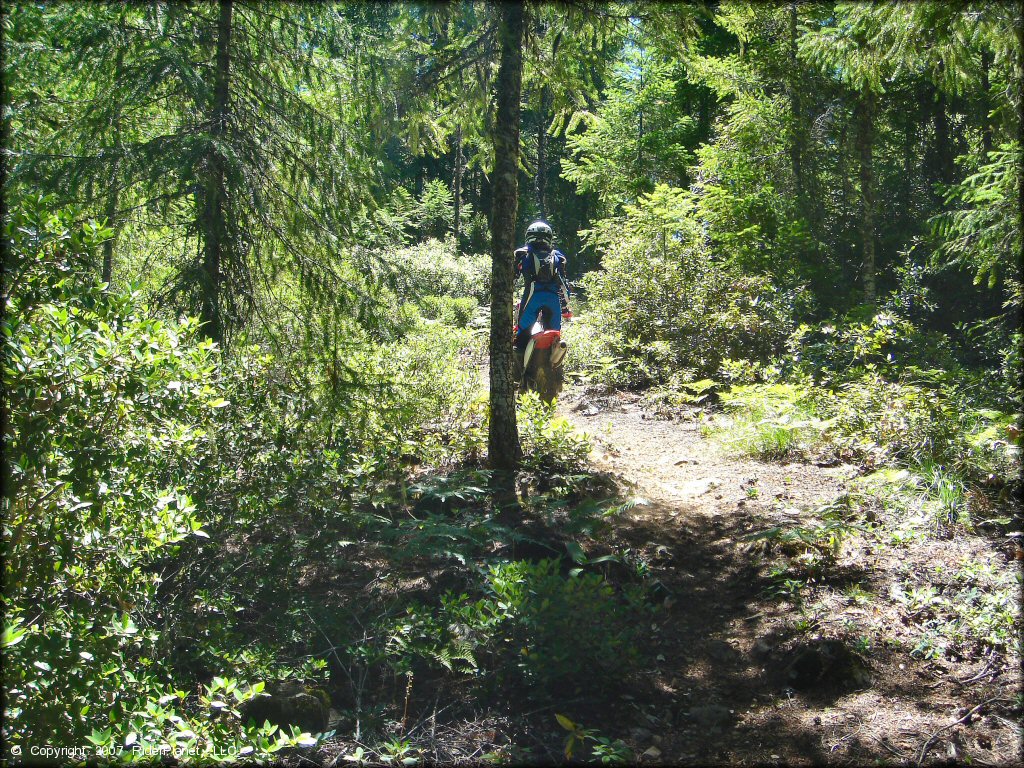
543, 269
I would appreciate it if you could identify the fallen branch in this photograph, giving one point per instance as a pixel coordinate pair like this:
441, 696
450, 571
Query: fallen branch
966, 716
991, 660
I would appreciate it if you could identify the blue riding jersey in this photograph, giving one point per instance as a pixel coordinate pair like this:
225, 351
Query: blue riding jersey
537, 294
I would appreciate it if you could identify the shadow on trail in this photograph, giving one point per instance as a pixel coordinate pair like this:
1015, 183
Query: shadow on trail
713, 662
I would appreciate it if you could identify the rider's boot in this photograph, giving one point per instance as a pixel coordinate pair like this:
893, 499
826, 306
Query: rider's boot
517, 365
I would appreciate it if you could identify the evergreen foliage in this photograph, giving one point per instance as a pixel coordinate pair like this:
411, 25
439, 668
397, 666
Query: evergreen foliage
258, 255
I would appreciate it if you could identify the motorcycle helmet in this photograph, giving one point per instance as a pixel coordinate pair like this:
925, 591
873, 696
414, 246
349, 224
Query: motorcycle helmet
539, 232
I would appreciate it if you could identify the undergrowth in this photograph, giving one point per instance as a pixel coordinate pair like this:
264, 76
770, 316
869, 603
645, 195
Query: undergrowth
187, 530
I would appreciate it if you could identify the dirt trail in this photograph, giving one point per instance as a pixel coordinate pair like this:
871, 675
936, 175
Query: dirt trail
741, 677
672, 465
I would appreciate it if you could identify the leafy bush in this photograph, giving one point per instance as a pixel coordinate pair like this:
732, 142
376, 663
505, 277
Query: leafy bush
568, 631
774, 421
911, 424
669, 305
431, 400
144, 462
814, 546
931, 429
886, 343
549, 442
980, 231
110, 419
591, 358
435, 211
885, 422
608, 751
974, 608
455, 312
554, 630
437, 268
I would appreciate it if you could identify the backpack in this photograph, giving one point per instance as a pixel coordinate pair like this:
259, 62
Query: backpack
545, 266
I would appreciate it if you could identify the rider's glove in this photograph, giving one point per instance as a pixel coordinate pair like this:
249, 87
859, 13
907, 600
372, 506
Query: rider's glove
567, 315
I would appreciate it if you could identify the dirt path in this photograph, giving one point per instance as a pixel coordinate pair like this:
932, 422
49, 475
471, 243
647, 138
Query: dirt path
681, 473
743, 677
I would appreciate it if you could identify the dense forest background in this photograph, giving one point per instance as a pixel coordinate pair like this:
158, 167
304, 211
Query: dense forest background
252, 252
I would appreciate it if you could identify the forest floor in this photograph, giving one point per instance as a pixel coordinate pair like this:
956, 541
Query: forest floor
896, 647
821, 672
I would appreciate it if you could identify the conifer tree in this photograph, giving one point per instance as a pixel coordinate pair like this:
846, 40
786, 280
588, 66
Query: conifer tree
204, 117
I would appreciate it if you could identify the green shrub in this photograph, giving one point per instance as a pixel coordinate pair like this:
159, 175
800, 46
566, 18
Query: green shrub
875, 421
667, 304
549, 442
437, 268
111, 420
435, 210
591, 358
568, 631
432, 398
556, 631
966, 611
455, 312
886, 343
774, 421
889, 423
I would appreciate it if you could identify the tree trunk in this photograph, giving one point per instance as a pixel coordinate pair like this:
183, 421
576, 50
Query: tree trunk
798, 140
213, 224
486, 202
865, 140
986, 103
945, 169
503, 446
542, 143
111, 214
457, 186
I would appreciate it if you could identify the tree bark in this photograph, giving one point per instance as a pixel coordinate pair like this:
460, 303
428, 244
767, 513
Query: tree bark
503, 447
111, 214
945, 170
798, 141
986, 103
865, 141
542, 143
457, 186
213, 223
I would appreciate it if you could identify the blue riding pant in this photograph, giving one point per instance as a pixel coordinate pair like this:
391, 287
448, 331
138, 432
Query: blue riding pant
538, 297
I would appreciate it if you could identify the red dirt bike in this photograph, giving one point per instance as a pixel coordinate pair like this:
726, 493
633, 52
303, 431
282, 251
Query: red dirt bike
542, 370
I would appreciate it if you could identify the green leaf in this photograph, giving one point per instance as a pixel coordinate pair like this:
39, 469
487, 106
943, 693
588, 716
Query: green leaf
565, 722
13, 635
100, 738
576, 552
